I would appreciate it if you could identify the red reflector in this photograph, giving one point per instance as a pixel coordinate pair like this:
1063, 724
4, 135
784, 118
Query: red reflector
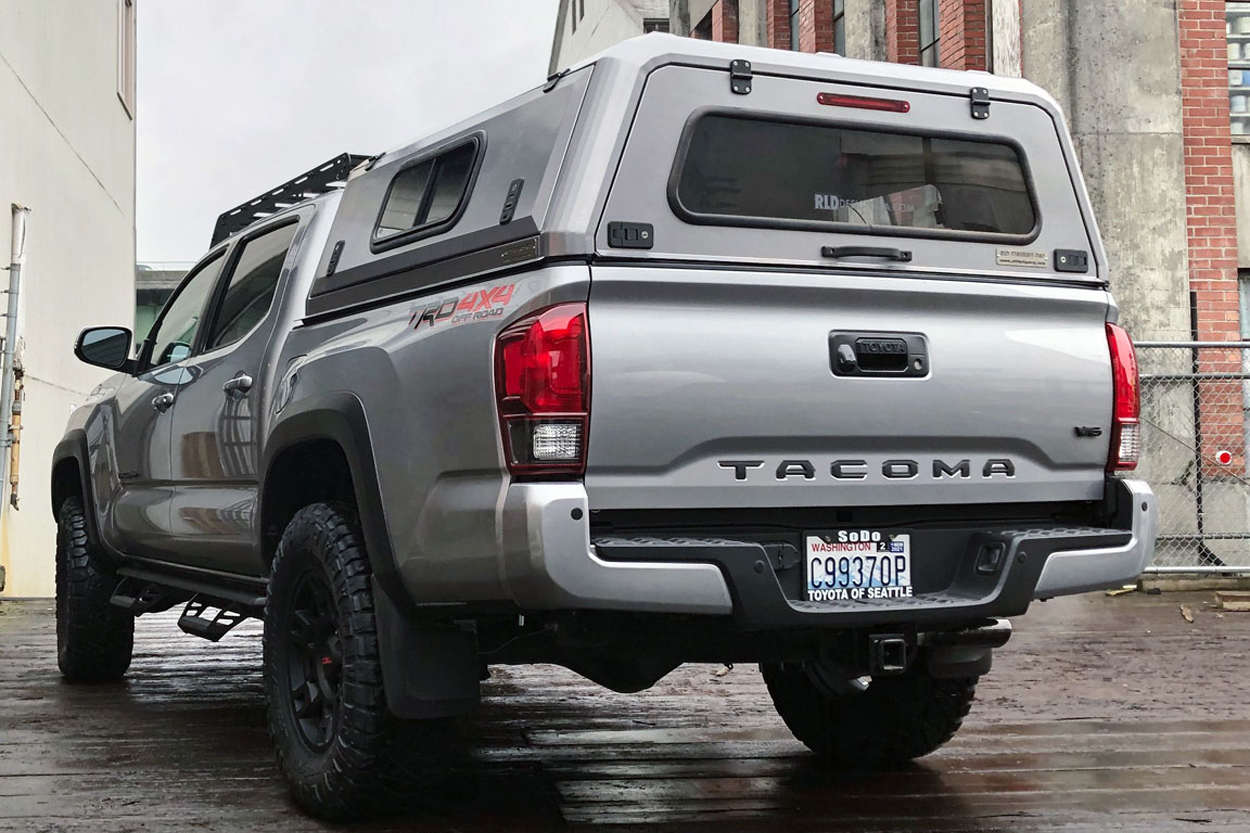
891, 105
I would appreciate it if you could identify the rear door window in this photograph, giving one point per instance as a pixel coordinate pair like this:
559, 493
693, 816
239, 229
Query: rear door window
854, 179
249, 295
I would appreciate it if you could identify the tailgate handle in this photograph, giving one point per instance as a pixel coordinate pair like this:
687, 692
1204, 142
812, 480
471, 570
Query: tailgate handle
901, 255
878, 354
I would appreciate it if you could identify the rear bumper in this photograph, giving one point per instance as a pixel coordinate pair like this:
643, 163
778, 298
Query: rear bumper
1081, 570
551, 563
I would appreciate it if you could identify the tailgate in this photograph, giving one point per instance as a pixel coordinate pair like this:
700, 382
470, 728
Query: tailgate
721, 388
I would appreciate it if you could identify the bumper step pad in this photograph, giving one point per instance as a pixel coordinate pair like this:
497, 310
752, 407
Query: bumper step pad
767, 585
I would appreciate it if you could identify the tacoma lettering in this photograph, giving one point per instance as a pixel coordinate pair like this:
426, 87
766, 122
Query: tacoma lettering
895, 469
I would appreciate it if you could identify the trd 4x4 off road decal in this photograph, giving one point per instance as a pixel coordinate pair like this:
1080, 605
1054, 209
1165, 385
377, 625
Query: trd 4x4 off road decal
478, 305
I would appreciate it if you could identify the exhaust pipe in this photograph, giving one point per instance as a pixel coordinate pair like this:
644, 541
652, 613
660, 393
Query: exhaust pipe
965, 653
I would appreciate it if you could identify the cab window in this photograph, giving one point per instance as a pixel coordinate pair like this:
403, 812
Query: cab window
249, 295
174, 335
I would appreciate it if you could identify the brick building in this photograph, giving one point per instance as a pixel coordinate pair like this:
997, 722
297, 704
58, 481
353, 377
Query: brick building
1157, 97
1161, 79
1153, 93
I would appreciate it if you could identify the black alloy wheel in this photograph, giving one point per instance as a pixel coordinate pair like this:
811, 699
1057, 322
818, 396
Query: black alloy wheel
342, 753
315, 661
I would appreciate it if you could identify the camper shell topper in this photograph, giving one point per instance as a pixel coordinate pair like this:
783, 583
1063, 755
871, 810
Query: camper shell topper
822, 156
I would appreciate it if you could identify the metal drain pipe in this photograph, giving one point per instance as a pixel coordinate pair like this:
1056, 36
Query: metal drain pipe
10, 340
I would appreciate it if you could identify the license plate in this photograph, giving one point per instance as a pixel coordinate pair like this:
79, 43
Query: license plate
849, 565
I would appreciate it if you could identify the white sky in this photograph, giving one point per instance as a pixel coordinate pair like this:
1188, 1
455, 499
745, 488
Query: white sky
236, 96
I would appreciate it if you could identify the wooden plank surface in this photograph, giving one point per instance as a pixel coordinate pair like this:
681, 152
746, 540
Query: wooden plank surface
1101, 713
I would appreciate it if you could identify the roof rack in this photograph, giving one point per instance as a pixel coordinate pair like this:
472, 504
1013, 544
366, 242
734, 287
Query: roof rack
326, 177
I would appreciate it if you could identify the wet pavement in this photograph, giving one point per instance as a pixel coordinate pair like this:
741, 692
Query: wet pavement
1100, 714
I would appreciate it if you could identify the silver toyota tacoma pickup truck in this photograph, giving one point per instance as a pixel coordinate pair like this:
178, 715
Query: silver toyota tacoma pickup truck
694, 353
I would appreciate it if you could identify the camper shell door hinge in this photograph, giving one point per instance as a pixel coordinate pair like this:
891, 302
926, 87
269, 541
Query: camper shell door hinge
554, 78
980, 102
740, 77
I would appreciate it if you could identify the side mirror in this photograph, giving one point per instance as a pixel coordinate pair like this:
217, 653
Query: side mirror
107, 347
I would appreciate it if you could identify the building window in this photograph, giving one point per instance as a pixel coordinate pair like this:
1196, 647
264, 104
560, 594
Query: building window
1243, 297
655, 24
581, 9
929, 36
126, 55
839, 26
794, 25
1237, 21
573, 14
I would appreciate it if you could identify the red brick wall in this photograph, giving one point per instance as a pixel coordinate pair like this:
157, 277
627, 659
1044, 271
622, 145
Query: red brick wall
725, 21
1210, 216
961, 28
902, 31
778, 12
816, 25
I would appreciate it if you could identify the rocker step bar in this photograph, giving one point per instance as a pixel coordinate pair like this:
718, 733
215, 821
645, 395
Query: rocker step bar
205, 619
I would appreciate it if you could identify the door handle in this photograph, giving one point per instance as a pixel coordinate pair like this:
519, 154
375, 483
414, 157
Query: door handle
162, 402
879, 354
238, 386
901, 255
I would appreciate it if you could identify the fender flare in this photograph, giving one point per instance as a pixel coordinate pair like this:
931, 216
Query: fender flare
74, 447
428, 669
339, 417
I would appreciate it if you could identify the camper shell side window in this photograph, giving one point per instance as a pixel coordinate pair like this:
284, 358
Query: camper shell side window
428, 195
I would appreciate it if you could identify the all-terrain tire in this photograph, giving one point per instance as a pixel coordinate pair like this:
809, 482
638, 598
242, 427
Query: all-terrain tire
94, 639
897, 719
364, 756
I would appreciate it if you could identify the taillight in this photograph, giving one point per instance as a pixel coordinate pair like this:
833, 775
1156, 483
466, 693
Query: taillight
889, 105
1126, 402
542, 386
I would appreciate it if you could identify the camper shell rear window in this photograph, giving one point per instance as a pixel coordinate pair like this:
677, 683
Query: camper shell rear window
773, 173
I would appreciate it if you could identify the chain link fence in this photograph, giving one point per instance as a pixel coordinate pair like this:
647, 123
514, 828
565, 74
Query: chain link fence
1195, 398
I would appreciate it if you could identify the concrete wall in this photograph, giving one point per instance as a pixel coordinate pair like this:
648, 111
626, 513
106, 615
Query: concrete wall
67, 150
606, 23
699, 9
753, 22
1241, 184
865, 29
1005, 38
1125, 117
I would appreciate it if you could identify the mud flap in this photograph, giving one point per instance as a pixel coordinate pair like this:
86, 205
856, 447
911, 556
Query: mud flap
948, 663
428, 670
